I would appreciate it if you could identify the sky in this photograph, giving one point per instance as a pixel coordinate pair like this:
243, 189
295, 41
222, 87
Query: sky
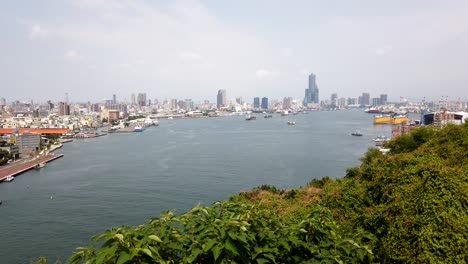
92, 49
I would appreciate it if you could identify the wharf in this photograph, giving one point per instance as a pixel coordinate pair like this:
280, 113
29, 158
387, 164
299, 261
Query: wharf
23, 166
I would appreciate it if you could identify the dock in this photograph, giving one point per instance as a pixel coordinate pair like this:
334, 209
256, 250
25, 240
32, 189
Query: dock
25, 165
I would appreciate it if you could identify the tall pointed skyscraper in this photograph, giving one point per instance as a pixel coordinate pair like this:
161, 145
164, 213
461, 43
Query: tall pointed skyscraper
312, 93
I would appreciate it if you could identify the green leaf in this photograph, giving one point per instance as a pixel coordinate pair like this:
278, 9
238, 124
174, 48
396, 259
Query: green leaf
155, 238
262, 261
147, 252
216, 251
119, 237
124, 256
231, 247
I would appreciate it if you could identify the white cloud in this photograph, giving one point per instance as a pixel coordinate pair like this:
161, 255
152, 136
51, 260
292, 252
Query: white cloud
262, 73
72, 55
383, 50
190, 55
37, 32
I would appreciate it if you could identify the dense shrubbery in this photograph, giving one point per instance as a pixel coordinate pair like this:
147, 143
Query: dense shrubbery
409, 206
229, 232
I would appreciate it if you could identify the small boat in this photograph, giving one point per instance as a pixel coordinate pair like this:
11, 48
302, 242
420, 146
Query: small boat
285, 113
40, 165
249, 117
9, 178
138, 129
380, 140
356, 133
291, 123
268, 116
170, 118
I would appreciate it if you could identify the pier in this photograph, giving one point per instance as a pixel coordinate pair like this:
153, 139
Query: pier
24, 165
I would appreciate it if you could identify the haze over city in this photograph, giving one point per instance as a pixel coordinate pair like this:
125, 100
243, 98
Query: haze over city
92, 49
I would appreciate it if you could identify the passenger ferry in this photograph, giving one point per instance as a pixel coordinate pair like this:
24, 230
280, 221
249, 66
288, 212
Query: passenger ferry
399, 119
383, 119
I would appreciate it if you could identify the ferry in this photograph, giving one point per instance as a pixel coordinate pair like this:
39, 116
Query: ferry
399, 119
356, 133
383, 119
268, 116
285, 113
291, 123
372, 110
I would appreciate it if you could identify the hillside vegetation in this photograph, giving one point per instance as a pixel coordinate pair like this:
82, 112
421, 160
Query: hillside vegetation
409, 206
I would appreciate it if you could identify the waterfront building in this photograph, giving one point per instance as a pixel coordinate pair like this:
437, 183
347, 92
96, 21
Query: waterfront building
141, 99
189, 104
383, 99
312, 92
365, 99
376, 101
341, 103
352, 101
333, 98
264, 103
287, 103
28, 143
256, 102
221, 100
173, 105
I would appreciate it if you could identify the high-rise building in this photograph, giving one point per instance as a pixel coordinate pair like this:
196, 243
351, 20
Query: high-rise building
341, 102
63, 109
312, 93
256, 102
333, 98
221, 99
383, 99
352, 101
2, 101
141, 98
365, 99
376, 101
264, 103
189, 104
239, 100
133, 99
114, 99
173, 104
28, 143
287, 102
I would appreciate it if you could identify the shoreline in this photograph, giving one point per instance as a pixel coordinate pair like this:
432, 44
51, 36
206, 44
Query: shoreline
23, 166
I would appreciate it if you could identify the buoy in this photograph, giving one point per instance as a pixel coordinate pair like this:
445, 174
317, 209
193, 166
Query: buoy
51, 197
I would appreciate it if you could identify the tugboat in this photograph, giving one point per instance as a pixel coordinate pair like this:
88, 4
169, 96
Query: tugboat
356, 133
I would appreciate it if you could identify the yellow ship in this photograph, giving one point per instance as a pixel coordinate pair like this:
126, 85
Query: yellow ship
399, 119
383, 119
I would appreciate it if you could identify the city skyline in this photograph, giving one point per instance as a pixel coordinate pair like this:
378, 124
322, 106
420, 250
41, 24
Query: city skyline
92, 49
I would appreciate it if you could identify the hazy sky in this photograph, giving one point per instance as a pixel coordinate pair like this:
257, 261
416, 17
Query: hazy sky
190, 49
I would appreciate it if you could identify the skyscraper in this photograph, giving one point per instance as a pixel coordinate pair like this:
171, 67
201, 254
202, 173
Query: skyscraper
133, 99
221, 99
383, 99
365, 99
256, 102
312, 93
114, 99
141, 99
264, 103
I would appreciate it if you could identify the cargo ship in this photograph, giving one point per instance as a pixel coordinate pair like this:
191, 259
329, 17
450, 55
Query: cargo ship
383, 119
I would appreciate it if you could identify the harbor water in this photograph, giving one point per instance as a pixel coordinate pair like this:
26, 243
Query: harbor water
125, 179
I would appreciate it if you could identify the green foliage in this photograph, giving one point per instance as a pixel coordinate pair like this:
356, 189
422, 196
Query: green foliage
412, 141
230, 232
